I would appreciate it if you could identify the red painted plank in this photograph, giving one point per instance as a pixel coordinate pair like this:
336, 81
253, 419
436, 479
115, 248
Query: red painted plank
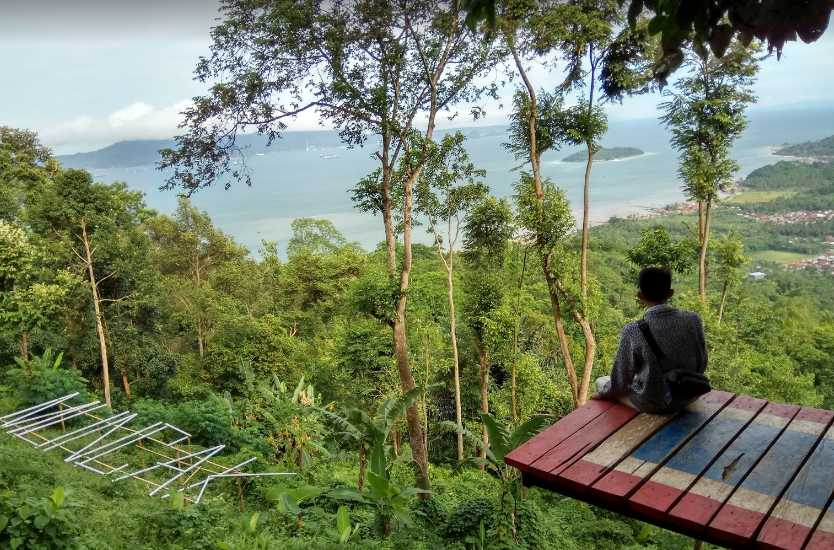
601, 460
823, 538
713, 489
797, 512
689, 462
740, 517
583, 441
637, 467
537, 446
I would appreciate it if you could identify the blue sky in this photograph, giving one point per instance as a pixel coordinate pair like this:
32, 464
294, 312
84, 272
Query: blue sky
87, 73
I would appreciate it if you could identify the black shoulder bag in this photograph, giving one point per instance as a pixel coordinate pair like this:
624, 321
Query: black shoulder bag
685, 385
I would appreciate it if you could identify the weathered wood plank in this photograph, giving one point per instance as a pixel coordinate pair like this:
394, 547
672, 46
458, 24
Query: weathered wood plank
714, 487
642, 463
606, 456
823, 537
741, 516
537, 446
796, 513
577, 445
682, 470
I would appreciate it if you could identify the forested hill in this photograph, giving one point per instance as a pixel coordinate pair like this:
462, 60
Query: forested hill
125, 154
606, 153
120, 154
129, 153
823, 148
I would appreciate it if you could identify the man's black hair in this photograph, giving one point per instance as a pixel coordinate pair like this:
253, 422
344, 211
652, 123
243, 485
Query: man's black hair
655, 283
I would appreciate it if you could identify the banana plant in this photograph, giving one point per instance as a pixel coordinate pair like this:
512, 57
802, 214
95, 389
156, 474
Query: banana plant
391, 501
502, 439
290, 500
345, 530
371, 434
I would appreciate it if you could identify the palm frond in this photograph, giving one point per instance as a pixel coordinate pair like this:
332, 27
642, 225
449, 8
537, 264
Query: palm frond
499, 438
395, 407
528, 430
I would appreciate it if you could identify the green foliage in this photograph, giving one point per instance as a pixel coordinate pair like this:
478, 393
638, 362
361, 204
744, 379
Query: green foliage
311, 236
551, 122
36, 523
258, 352
706, 115
657, 248
822, 148
391, 501
345, 531
466, 520
41, 378
546, 225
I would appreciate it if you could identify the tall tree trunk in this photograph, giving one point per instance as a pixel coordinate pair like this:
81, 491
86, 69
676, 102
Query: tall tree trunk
126, 386
24, 345
483, 363
516, 334
415, 428
455, 356
586, 191
200, 339
426, 402
102, 341
704, 215
395, 440
590, 350
724, 288
537, 180
586, 226
363, 465
562, 338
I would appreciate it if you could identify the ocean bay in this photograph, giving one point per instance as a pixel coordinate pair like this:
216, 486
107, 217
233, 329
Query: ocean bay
289, 184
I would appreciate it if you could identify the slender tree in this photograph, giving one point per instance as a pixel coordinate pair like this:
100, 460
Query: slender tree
370, 68
729, 257
487, 233
447, 190
100, 225
188, 246
705, 113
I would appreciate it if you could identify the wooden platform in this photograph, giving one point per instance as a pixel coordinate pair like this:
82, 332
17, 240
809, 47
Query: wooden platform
732, 470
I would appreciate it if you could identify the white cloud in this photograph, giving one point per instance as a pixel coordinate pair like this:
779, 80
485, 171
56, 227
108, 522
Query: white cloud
131, 113
138, 120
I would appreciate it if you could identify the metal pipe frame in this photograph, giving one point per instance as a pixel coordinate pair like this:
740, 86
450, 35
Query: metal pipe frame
29, 421
13, 418
83, 431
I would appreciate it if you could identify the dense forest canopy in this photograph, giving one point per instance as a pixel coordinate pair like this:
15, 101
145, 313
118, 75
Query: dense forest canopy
391, 382
823, 148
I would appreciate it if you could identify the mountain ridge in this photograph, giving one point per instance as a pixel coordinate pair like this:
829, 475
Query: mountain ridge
143, 152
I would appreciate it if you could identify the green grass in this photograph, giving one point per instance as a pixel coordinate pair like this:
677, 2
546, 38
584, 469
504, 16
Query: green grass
758, 197
778, 256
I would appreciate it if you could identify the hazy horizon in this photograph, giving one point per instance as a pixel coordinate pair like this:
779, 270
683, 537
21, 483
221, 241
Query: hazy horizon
90, 73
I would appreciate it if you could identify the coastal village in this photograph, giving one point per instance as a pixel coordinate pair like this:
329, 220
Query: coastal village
823, 263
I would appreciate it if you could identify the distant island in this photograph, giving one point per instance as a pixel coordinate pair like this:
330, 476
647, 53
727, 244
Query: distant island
820, 149
606, 153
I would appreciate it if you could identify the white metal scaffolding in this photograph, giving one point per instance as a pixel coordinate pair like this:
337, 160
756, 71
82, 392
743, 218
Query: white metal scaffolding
92, 442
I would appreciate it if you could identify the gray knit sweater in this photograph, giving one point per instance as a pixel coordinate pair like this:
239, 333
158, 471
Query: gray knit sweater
637, 374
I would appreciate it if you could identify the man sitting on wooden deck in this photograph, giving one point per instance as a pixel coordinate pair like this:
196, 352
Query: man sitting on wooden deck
661, 360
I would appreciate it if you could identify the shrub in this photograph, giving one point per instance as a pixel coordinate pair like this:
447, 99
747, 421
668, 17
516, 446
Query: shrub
36, 523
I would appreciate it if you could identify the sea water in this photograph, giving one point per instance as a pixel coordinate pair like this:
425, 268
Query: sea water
316, 183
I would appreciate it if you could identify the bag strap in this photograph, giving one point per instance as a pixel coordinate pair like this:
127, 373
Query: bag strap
647, 334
